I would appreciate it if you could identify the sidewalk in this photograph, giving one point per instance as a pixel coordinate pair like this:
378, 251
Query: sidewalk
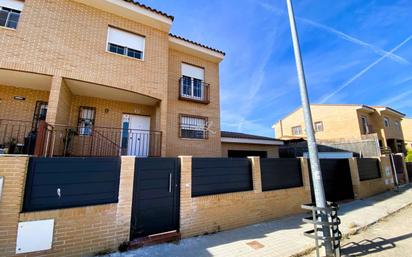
282, 237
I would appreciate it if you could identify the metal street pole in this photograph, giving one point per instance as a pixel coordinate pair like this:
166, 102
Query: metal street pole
313, 151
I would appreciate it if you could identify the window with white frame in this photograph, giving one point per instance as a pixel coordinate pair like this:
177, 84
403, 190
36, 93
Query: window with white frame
319, 126
86, 120
386, 122
10, 13
125, 43
192, 82
297, 130
193, 127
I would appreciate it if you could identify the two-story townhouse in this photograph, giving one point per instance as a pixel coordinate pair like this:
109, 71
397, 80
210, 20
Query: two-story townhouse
101, 78
346, 121
407, 132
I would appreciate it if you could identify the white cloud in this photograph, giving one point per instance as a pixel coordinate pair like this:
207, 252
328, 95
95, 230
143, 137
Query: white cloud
362, 72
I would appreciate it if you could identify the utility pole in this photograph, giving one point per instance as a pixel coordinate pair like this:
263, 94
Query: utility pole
313, 151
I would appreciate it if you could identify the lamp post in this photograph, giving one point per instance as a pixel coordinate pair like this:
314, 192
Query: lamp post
312, 148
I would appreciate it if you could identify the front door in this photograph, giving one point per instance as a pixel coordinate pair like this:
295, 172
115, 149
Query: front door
135, 135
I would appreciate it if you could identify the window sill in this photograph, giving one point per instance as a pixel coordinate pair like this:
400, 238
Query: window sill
193, 139
7, 28
125, 56
183, 98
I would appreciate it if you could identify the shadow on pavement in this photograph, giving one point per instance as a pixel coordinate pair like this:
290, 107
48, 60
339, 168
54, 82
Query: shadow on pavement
371, 246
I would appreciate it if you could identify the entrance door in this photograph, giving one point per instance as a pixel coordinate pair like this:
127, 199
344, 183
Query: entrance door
135, 135
156, 188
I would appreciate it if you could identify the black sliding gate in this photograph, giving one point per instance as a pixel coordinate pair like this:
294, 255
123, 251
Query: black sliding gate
337, 180
156, 191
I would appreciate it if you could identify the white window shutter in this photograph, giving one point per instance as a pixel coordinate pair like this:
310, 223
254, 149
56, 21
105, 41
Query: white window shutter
12, 4
193, 71
126, 39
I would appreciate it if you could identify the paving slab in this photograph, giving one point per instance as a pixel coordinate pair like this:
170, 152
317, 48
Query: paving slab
281, 237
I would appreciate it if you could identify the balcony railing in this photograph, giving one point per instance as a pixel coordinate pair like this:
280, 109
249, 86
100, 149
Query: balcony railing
369, 130
194, 90
69, 141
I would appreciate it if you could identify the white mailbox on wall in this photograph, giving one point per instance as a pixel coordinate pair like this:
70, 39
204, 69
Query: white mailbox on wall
33, 236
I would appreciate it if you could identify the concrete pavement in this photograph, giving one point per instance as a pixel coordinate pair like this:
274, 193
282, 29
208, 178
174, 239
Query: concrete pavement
281, 237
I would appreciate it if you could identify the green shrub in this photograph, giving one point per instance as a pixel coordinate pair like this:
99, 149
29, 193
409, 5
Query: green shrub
409, 156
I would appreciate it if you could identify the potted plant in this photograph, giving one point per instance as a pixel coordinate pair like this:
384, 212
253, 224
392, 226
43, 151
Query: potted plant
11, 145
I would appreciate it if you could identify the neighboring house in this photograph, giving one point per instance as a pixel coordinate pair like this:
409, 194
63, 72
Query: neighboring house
108, 78
346, 121
407, 132
243, 145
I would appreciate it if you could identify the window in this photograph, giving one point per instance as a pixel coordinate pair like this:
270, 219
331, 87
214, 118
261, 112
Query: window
125, 43
40, 113
365, 126
386, 122
86, 120
10, 13
192, 83
319, 126
193, 127
297, 130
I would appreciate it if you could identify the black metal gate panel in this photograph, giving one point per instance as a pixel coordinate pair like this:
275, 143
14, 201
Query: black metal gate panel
409, 168
156, 192
337, 180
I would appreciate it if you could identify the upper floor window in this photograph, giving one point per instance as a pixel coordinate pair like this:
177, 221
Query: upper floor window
125, 43
397, 124
193, 127
192, 85
297, 130
86, 120
10, 13
386, 122
319, 126
365, 126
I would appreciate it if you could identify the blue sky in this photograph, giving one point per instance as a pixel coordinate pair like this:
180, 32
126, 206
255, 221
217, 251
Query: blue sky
354, 51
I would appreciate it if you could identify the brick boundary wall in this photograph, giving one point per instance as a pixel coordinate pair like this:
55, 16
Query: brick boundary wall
366, 188
214, 213
82, 231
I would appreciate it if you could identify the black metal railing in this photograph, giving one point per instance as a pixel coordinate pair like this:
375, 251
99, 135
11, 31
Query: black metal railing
194, 90
16, 137
101, 142
19, 137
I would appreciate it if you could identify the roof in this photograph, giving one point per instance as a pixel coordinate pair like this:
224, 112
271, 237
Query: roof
198, 44
246, 136
150, 9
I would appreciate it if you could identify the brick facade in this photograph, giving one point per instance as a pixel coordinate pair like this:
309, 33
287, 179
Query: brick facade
73, 48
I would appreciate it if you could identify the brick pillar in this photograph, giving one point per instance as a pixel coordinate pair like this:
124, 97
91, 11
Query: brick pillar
124, 207
59, 105
354, 173
256, 174
13, 170
304, 164
185, 194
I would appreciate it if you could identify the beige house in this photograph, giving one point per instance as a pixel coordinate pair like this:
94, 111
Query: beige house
407, 131
346, 121
101, 78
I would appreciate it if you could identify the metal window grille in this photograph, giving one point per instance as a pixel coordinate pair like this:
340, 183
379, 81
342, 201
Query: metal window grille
193, 127
86, 120
9, 17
